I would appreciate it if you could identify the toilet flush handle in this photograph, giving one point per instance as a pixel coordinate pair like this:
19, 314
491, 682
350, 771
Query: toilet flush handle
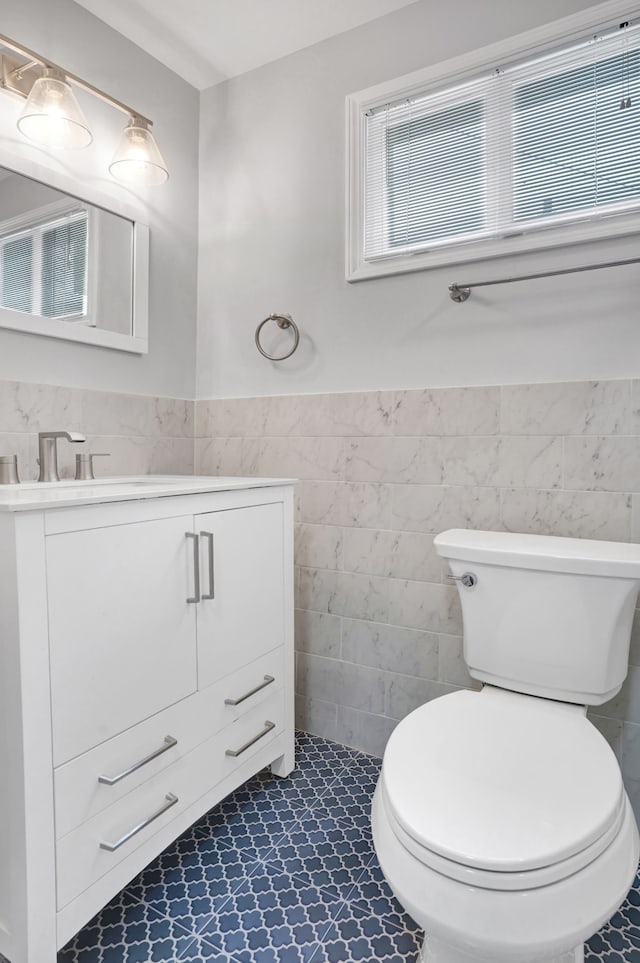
469, 580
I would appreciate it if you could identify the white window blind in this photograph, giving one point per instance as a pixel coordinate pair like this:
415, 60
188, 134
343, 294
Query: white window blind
64, 267
44, 267
530, 147
17, 273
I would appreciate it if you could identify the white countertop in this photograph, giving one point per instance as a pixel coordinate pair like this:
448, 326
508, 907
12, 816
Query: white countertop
68, 494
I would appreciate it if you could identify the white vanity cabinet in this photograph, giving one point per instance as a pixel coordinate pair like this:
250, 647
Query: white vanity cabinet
146, 670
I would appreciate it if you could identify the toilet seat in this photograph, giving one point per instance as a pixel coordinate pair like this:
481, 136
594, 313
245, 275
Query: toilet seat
506, 881
502, 790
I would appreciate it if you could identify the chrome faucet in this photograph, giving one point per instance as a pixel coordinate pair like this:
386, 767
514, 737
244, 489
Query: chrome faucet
48, 452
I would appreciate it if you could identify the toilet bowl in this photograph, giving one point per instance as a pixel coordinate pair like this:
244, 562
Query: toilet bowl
500, 818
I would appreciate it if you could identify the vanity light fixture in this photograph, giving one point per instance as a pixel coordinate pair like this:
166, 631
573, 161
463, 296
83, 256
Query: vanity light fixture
137, 159
52, 116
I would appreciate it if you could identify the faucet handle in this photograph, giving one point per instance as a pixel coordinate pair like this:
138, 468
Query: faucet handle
84, 464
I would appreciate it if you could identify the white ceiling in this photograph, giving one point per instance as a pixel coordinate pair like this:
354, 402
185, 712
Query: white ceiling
206, 41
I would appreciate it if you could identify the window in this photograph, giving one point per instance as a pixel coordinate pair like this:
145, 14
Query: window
537, 151
43, 265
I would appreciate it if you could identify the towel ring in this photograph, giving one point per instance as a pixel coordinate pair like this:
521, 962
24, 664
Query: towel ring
283, 321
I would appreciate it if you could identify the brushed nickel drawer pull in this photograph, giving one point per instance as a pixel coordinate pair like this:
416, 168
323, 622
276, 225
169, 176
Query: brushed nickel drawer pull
268, 726
196, 567
169, 743
268, 679
171, 800
211, 594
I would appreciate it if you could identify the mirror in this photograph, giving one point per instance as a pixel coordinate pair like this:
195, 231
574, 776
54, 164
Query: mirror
69, 268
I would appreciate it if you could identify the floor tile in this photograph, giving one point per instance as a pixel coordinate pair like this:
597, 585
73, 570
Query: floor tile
190, 881
253, 826
619, 940
198, 951
250, 797
364, 939
302, 789
371, 896
272, 918
350, 796
127, 932
310, 747
325, 853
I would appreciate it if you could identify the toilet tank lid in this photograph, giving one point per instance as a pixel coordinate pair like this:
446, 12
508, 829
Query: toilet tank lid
551, 553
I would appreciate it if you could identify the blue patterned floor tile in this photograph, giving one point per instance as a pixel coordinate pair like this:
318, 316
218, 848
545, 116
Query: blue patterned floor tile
619, 939
253, 826
324, 853
272, 918
188, 884
310, 747
350, 796
371, 896
127, 932
313, 769
367, 939
318, 764
611, 956
198, 951
251, 796
301, 790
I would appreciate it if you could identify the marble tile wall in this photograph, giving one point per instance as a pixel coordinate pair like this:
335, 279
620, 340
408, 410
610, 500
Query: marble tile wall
142, 434
378, 629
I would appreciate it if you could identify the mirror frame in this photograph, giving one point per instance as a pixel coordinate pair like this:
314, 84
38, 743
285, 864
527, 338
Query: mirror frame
138, 341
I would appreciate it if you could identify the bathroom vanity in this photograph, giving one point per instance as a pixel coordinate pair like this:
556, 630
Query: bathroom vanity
146, 671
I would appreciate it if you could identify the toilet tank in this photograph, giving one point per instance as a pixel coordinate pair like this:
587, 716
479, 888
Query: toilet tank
547, 616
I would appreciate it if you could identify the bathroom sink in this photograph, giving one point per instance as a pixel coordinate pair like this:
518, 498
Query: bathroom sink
110, 483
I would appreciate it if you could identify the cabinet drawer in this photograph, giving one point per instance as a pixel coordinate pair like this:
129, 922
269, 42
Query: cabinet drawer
141, 752
82, 856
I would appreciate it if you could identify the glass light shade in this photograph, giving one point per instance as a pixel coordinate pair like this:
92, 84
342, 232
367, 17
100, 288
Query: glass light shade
52, 115
137, 159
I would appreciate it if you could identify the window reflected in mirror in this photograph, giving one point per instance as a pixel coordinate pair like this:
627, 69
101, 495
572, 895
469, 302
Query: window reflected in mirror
62, 258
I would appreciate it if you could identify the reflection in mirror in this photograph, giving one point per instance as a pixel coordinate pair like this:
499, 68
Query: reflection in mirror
62, 258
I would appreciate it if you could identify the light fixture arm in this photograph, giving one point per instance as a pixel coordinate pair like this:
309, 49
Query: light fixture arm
34, 59
18, 72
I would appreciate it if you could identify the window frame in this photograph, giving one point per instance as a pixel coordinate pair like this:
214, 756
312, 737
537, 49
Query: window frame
454, 72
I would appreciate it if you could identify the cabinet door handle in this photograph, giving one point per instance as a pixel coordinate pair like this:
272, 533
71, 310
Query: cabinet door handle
196, 567
268, 679
211, 594
169, 743
268, 726
170, 800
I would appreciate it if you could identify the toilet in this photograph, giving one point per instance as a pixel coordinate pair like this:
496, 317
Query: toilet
500, 818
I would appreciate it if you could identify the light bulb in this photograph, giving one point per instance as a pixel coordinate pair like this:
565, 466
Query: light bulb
52, 116
137, 159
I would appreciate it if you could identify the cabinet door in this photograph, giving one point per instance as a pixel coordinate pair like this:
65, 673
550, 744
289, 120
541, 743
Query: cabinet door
122, 635
245, 618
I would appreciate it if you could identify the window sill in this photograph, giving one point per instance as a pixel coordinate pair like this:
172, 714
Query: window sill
357, 269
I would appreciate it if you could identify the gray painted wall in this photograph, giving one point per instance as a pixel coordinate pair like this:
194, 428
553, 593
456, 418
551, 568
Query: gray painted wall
86, 46
272, 238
